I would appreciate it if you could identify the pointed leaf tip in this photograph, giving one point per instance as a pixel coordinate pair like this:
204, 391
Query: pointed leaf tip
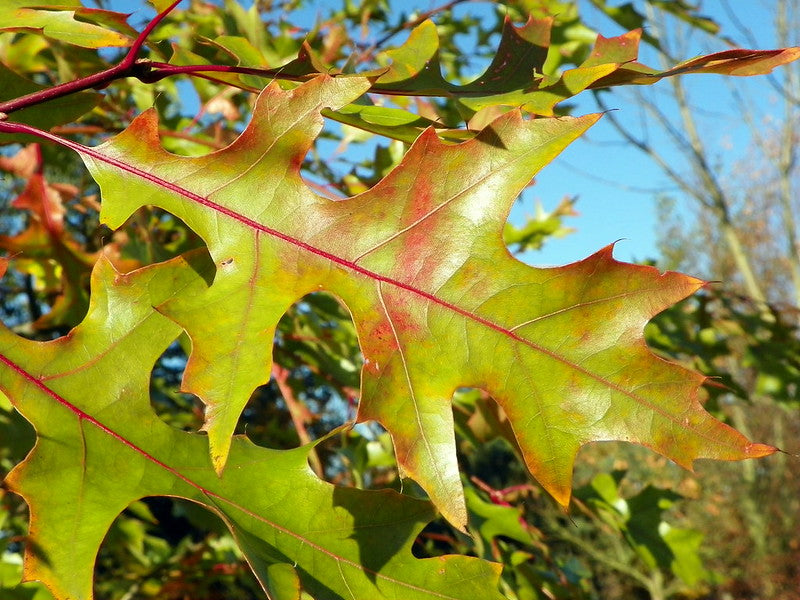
755, 450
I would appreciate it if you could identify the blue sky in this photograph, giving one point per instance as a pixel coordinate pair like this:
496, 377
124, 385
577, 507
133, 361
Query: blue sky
615, 184
608, 212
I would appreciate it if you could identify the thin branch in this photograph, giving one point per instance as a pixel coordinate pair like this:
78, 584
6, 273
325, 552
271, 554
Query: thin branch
130, 66
130, 58
666, 125
299, 414
710, 193
650, 151
159, 70
787, 160
718, 198
611, 182
602, 558
784, 90
407, 25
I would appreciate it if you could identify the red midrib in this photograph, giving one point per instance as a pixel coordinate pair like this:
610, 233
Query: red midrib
83, 416
366, 272
91, 152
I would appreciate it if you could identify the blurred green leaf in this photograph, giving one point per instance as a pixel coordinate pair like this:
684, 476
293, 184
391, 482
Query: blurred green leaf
44, 115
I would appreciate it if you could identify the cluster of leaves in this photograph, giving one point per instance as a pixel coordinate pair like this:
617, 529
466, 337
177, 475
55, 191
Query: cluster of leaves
200, 245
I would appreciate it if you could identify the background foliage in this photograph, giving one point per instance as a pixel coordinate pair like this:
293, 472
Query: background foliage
639, 526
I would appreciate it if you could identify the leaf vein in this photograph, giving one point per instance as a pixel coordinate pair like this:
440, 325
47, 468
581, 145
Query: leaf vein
83, 416
248, 222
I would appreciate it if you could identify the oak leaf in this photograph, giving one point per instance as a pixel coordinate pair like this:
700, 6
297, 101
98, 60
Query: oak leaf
438, 301
100, 447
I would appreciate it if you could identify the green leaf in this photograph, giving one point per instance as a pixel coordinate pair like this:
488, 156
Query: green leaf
685, 546
640, 519
539, 227
520, 74
494, 520
644, 524
99, 452
514, 78
437, 300
393, 123
56, 19
628, 17
44, 115
10, 587
685, 11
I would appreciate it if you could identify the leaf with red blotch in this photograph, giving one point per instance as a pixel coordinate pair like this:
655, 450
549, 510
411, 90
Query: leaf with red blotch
436, 298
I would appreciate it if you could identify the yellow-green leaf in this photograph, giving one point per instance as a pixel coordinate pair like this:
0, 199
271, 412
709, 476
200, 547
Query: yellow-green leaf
437, 300
56, 19
101, 447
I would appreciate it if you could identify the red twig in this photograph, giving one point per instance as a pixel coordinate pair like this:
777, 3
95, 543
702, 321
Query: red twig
127, 67
160, 70
157, 70
499, 496
151, 71
130, 58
